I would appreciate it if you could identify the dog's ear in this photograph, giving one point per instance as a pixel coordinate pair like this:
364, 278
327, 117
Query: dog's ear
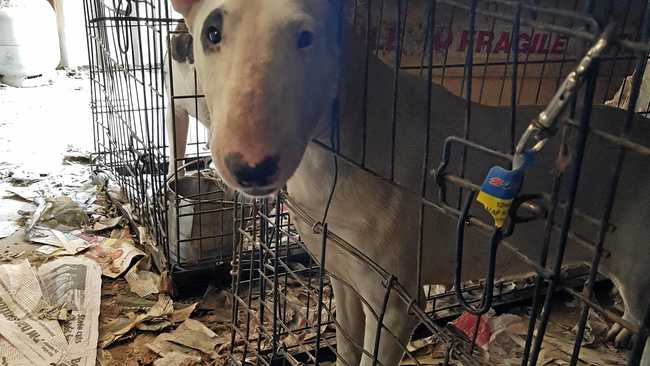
184, 6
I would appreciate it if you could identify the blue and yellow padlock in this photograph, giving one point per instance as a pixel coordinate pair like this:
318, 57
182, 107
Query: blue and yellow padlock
501, 187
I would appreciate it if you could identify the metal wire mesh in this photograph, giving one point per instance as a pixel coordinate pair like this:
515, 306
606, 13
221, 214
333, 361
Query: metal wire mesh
490, 55
555, 38
133, 94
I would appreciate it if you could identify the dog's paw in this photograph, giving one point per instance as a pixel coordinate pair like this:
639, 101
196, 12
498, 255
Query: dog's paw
622, 337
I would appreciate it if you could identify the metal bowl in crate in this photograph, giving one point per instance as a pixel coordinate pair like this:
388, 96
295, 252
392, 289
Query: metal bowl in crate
200, 229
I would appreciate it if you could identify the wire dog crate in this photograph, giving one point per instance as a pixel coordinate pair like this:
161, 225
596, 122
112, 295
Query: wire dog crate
495, 66
524, 53
186, 210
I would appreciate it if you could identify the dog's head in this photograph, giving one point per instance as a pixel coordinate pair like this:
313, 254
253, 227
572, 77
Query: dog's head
269, 72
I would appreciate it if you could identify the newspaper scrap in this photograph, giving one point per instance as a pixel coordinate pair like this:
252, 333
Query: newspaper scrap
7, 228
67, 289
76, 156
69, 242
622, 97
154, 319
105, 224
425, 351
181, 315
86, 196
9, 257
26, 340
122, 234
21, 177
164, 344
61, 213
114, 256
74, 283
26, 193
151, 247
191, 336
48, 250
142, 281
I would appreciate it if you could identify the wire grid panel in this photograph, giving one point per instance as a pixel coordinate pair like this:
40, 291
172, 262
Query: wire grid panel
135, 106
283, 303
126, 53
284, 309
521, 54
521, 50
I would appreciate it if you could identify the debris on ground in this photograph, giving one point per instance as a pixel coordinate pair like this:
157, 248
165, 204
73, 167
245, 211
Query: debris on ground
76, 275
75, 155
56, 242
470, 325
60, 213
115, 256
177, 359
142, 280
67, 248
190, 337
50, 315
155, 319
7, 228
502, 338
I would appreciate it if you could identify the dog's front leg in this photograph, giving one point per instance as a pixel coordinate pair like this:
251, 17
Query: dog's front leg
351, 325
177, 123
396, 329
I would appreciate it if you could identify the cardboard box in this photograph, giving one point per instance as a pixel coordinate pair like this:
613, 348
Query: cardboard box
545, 57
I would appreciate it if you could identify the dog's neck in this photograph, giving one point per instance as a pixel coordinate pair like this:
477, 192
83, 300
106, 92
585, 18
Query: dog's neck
343, 108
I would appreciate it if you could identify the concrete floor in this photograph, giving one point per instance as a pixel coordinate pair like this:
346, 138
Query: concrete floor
37, 126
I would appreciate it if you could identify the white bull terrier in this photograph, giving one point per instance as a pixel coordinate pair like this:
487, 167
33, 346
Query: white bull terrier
270, 71
183, 101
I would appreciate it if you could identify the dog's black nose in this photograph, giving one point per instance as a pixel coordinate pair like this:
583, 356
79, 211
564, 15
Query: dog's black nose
258, 175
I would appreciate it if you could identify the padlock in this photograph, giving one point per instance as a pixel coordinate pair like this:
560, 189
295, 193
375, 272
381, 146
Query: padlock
501, 187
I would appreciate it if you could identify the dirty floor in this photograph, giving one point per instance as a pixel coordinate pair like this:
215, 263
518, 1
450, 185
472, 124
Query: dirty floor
53, 211
55, 214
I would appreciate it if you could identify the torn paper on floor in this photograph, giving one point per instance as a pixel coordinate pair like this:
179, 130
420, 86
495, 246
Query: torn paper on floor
69, 242
142, 281
28, 194
7, 228
156, 319
71, 284
61, 213
26, 340
105, 224
74, 283
113, 255
191, 337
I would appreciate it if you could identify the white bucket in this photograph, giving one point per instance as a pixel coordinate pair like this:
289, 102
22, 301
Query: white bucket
29, 42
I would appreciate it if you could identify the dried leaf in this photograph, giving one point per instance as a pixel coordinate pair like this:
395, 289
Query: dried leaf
181, 315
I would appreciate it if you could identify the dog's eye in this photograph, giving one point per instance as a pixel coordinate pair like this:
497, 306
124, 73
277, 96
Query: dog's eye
214, 35
305, 39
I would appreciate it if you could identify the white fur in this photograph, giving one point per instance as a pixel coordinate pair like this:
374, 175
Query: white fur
177, 117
